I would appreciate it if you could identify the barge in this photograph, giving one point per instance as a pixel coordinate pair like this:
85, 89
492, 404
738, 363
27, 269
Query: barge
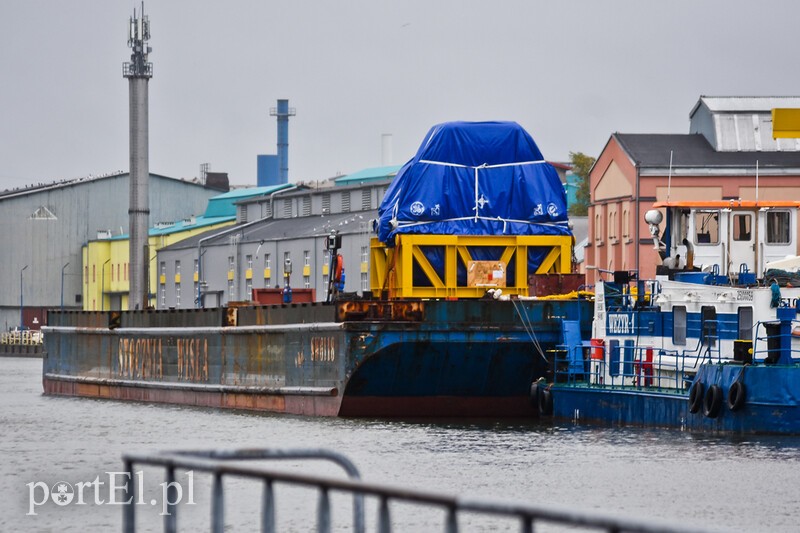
477, 209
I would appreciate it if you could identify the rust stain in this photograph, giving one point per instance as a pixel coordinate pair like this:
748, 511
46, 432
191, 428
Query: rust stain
396, 311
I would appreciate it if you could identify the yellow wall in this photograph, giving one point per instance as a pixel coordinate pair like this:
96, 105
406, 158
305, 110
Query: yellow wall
115, 276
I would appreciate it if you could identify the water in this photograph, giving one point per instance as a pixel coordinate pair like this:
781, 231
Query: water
718, 483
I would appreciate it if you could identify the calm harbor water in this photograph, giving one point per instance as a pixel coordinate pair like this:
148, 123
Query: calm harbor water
716, 483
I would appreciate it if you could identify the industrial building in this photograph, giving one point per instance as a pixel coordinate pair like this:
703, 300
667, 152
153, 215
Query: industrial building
728, 154
45, 226
106, 280
226, 265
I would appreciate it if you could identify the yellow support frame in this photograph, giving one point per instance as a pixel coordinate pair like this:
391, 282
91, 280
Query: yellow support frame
391, 272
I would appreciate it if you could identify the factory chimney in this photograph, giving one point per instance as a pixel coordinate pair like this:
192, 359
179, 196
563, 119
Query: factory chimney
138, 72
283, 112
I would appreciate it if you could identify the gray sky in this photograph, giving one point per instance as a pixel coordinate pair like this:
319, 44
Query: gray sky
571, 72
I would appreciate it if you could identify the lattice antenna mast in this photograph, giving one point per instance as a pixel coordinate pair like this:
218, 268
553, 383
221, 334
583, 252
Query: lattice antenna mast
138, 35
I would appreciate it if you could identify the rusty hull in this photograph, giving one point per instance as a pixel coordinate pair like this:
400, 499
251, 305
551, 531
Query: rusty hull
354, 358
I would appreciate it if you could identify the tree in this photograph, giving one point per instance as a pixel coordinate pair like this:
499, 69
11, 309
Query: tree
581, 165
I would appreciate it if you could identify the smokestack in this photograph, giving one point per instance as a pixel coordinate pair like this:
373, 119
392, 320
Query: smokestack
138, 72
386, 149
283, 112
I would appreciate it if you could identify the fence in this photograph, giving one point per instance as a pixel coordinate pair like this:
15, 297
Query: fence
229, 463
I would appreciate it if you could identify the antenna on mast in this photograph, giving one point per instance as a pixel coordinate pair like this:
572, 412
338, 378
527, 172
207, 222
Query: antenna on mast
756, 181
669, 177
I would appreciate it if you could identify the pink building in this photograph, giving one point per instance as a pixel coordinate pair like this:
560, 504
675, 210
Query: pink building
728, 138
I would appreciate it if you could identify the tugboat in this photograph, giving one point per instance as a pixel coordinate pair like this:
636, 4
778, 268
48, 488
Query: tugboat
709, 345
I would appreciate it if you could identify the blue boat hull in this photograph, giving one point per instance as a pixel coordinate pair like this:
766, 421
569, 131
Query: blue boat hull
771, 404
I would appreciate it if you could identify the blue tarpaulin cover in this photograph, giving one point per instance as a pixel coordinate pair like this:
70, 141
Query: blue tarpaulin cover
475, 178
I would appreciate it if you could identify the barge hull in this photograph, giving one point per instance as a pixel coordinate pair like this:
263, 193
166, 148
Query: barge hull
406, 359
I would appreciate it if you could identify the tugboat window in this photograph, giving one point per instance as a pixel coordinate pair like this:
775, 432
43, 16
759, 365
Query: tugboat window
778, 231
706, 224
741, 227
679, 325
746, 323
709, 324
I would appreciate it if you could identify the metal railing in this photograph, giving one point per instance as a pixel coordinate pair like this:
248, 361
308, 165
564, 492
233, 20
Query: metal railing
219, 464
22, 338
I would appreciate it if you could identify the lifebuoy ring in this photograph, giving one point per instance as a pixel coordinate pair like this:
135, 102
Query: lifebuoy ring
736, 396
545, 401
712, 401
695, 397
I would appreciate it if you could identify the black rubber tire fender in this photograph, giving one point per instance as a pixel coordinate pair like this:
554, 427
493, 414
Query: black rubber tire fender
534, 394
545, 401
696, 397
736, 396
712, 401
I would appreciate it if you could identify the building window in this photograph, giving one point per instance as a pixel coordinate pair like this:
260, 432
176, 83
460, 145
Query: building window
364, 281
86, 275
679, 325
287, 209
177, 295
778, 231
598, 228
267, 270
626, 225
177, 268
706, 225
306, 206
163, 268
366, 200
94, 273
112, 272
163, 291
231, 263
118, 278
326, 203
249, 288
231, 295
612, 226
365, 254
306, 258
196, 266
346, 202
249, 260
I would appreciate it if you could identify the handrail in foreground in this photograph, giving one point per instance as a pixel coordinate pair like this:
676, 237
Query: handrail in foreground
219, 464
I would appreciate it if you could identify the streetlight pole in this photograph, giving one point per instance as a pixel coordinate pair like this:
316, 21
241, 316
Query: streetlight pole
21, 306
103, 285
62, 285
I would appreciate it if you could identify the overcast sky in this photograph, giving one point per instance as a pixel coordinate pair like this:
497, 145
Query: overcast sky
570, 72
